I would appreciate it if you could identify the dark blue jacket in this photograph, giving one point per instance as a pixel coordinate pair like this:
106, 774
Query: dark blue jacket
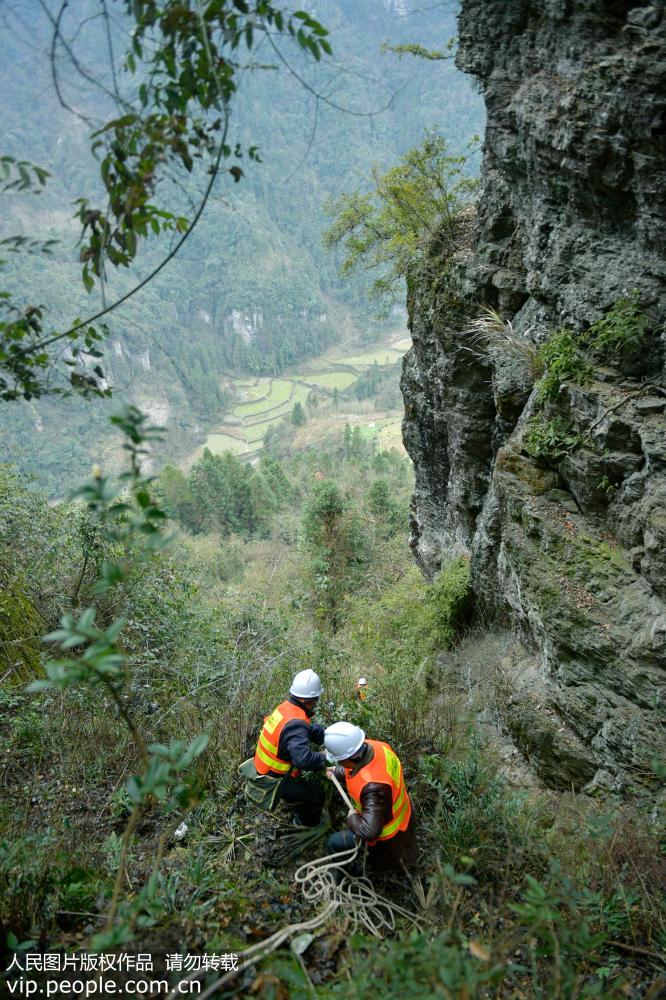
295, 741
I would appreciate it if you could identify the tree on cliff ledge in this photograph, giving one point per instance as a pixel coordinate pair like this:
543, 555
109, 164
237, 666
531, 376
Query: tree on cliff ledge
387, 228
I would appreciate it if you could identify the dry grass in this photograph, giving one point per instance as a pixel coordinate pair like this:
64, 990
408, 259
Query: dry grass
496, 338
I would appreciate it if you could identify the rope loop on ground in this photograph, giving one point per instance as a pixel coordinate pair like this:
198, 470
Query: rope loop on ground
354, 894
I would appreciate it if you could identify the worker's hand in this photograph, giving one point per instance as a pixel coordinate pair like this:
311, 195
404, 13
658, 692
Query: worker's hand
330, 771
350, 814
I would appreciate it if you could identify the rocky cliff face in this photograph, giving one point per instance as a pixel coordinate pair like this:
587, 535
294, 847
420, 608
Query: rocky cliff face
567, 536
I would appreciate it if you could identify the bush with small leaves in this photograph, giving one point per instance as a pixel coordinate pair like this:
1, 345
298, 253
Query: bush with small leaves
128, 515
550, 439
564, 362
619, 336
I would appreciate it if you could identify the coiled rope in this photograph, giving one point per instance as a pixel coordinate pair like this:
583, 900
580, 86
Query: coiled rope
323, 881
359, 901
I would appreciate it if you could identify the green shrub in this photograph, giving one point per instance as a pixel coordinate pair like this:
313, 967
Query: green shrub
419, 967
550, 439
564, 947
79, 890
39, 881
412, 620
394, 638
449, 595
29, 730
28, 883
229, 563
564, 362
473, 821
619, 336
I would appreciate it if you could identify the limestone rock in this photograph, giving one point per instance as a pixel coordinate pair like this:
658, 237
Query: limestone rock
653, 404
570, 549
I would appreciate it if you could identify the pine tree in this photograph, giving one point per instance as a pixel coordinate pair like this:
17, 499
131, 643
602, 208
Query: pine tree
347, 441
357, 444
298, 415
178, 499
379, 499
334, 541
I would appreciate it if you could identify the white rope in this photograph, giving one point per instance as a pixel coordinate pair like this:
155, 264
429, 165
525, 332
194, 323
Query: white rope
339, 787
257, 952
356, 898
355, 895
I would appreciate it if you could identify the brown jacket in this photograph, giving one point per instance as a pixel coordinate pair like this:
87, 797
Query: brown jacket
376, 812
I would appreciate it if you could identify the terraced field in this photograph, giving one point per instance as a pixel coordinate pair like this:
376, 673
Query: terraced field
328, 380
277, 391
384, 356
263, 402
219, 443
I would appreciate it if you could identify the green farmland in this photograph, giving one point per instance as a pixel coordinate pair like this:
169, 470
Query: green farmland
264, 402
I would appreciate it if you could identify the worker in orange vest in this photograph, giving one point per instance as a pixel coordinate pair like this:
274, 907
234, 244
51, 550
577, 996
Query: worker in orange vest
361, 689
382, 813
283, 748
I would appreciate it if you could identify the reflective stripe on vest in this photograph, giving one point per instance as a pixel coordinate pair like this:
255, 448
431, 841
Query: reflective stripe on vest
266, 755
385, 769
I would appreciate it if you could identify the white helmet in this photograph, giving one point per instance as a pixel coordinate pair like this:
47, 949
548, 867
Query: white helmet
342, 740
362, 682
306, 684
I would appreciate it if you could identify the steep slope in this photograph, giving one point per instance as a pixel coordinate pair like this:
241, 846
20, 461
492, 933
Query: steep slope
567, 544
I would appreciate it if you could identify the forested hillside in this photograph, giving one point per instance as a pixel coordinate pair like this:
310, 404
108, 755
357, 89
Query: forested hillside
253, 290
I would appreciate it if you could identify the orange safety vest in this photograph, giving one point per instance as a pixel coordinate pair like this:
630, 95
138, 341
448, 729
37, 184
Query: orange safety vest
266, 755
386, 769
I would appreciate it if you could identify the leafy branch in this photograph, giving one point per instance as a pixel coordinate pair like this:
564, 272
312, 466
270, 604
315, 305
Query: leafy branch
413, 49
131, 520
185, 57
20, 175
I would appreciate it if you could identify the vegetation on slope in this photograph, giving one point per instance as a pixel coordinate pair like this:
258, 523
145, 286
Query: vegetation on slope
169, 655
519, 890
